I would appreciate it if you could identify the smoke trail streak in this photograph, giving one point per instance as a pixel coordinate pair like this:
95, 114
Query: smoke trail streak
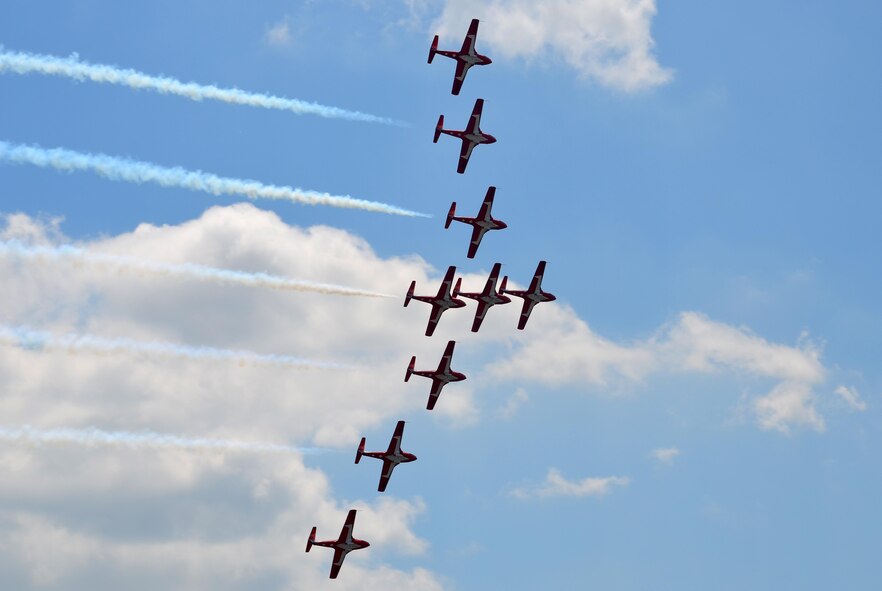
92, 436
28, 338
72, 67
188, 270
123, 169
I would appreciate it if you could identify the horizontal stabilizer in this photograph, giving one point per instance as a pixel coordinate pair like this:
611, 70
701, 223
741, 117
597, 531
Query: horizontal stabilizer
457, 287
409, 293
433, 49
360, 451
450, 215
503, 284
438, 129
410, 369
310, 540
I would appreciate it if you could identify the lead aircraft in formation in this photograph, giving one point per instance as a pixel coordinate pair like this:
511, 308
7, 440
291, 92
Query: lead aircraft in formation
342, 546
465, 57
391, 457
440, 303
471, 136
481, 224
532, 295
440, 377
486, 299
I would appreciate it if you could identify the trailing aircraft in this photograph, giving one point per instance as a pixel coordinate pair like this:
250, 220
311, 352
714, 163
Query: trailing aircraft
342, 546
465, 57
532, 296
391, 457
441, 302
440, 377
487, 298
471, 136
481, 224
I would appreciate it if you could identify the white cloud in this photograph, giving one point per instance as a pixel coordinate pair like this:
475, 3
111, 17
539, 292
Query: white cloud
851, 397
607, 40
555, 485
788, 404
279, 34
513, 404
665, 455
563, 350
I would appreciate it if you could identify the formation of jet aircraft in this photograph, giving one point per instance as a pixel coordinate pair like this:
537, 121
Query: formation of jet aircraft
465, 57
440, 377
448, 295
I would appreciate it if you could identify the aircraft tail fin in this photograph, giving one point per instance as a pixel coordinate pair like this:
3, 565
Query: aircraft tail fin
433, 49
450, 215
409, 293
438, 129
410, 368
503, 284
457, 287
310, 540
360, 451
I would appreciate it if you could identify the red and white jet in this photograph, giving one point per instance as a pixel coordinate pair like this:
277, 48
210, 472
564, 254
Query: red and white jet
486, 299
440, 377
471, 136
441, 302
391, 457
342, 545
465, 57
481, 224
532, 296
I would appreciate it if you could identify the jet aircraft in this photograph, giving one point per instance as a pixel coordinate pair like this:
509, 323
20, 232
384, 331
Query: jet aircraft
486, 299
391, 457
532, 296
440, 377
465, 57
471, 136
342, 545
441, 302
481, 224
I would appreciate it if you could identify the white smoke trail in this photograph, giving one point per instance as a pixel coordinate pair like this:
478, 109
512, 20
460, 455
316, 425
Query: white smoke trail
28, 338
72, 67
123, 169
91, 436
187, 270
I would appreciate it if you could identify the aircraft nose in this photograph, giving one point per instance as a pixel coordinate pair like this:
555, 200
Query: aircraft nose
489, 61
502, 225
492, 139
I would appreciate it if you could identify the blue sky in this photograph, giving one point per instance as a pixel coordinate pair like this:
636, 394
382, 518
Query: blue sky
712, 240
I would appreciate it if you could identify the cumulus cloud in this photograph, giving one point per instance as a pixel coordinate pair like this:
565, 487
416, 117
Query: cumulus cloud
851, 397
279, 34
665, 455
563, 350
556, 485
607, 40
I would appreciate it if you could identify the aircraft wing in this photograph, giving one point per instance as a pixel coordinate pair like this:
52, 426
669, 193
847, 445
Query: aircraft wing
444, 365
385, 475
468, 45
433, 319
462, 68
484, 212
464, 154
475, 119
536, 283
479, 316
446, 283
434, 394
339, 555
395, 444
346, 532
477, 234
525, 313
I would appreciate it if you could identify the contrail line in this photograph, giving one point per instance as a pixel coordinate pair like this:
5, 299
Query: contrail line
135, 171
28, 338
91, 436
72, 67
120, 263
